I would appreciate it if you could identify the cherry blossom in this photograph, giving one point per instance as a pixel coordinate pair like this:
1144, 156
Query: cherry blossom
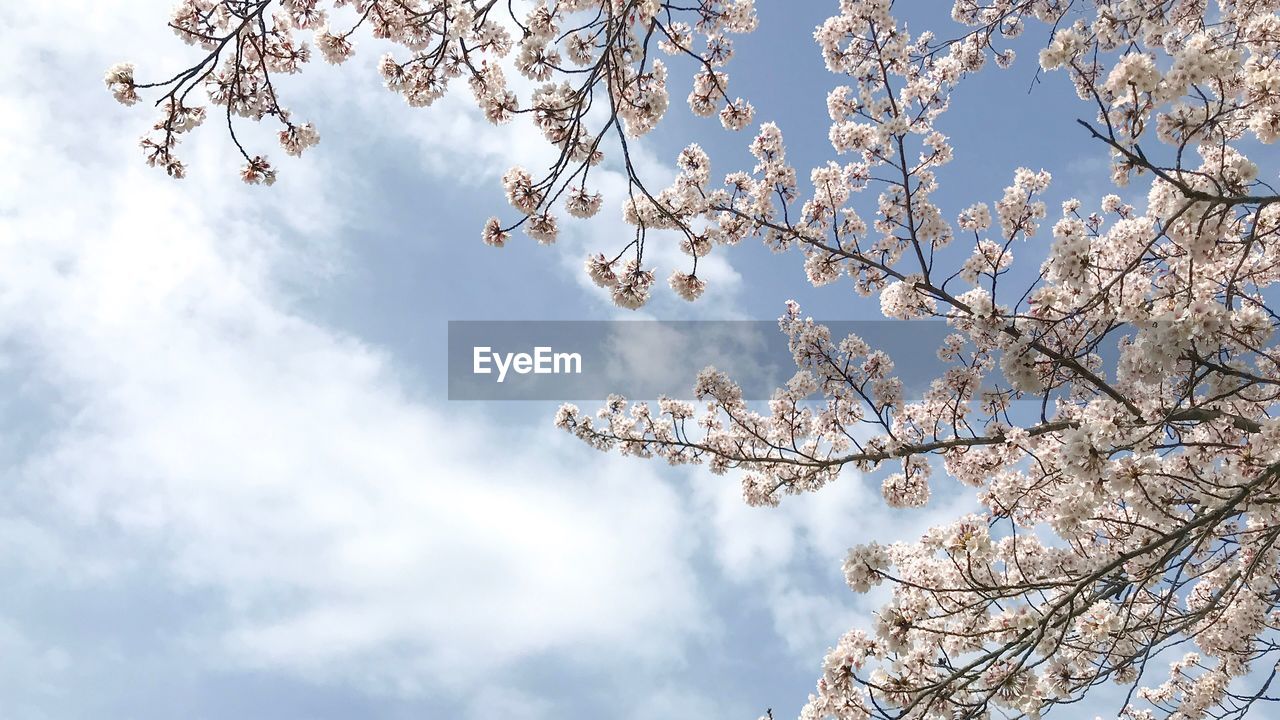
579, 55
1130, 510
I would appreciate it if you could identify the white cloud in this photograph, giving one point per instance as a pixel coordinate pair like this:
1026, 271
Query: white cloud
35, 667
352, 532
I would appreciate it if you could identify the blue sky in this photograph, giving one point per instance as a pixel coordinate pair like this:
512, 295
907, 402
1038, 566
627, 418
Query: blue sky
234, 487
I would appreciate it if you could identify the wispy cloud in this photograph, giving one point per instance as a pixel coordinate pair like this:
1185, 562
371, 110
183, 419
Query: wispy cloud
349, 532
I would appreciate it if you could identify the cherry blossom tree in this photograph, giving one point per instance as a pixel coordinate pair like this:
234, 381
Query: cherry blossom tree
1130, 513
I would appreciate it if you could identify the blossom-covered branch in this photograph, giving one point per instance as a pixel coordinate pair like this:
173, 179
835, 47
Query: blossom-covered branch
594, 73
1130, 510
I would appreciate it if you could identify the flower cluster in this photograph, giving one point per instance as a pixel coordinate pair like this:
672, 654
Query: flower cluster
576, 54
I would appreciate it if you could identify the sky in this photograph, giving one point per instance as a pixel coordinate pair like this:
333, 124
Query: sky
234, 485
